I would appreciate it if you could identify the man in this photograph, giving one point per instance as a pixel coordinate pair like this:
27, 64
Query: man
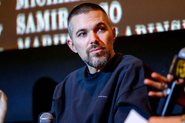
110, 85
3, 106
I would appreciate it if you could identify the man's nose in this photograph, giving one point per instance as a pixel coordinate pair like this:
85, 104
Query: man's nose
94, 37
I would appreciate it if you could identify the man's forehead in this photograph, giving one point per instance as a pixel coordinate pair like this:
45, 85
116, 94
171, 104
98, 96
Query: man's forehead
92, 13
92, 16
89, 25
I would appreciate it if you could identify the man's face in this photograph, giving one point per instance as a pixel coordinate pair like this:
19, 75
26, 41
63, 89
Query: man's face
92, 38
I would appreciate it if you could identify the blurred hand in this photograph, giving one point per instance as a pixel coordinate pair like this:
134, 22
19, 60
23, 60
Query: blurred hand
3, 106
160, 84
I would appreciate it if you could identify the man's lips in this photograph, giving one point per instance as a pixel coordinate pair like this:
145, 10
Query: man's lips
94, 50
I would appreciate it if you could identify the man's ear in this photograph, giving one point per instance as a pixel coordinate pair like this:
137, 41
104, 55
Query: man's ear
71, 45
114, 32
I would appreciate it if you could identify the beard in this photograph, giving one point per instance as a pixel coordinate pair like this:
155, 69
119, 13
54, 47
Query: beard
97, 60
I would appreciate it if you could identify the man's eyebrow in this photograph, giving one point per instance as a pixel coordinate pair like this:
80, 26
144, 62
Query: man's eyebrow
97, 25
101, 23
80, 31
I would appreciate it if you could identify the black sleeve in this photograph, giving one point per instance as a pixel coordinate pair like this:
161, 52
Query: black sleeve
136, 94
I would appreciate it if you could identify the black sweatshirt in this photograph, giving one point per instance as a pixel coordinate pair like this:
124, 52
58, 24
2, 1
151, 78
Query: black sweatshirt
103, 97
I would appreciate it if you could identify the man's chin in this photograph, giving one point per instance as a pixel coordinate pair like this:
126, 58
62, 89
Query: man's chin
99, 61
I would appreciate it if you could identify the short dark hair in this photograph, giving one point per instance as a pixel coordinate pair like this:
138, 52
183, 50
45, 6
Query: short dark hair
82, 8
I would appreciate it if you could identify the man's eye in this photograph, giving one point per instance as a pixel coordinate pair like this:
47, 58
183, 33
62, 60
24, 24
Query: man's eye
101, 29
81, 34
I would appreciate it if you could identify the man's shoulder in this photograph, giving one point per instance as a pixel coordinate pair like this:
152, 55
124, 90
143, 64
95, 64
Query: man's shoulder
74, 73
131, 60
71, 76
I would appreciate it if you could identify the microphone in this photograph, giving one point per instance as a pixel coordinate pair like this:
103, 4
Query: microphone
177, 69
46, 117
